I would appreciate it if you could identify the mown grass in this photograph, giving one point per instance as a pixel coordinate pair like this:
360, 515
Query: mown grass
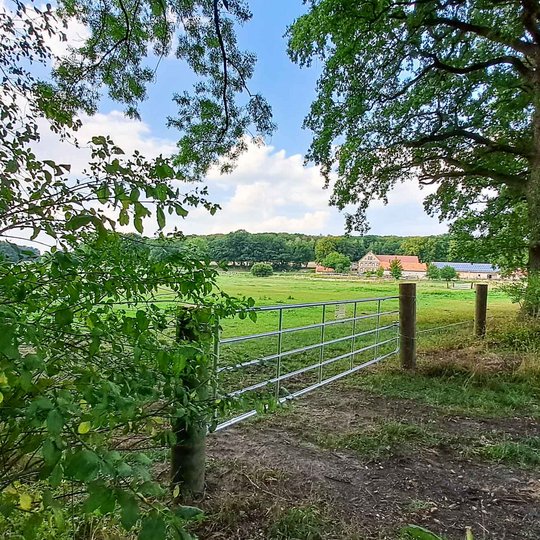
436, 304
457, 391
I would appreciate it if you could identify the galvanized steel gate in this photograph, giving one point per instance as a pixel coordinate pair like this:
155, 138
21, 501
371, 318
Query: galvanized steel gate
314, 343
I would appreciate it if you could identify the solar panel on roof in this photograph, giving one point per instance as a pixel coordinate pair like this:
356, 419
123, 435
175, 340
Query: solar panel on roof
468, 267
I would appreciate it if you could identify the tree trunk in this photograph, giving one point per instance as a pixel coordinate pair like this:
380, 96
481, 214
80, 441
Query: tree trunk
532, 300
188, 454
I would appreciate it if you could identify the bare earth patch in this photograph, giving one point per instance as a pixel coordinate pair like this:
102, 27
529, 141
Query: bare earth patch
260, 470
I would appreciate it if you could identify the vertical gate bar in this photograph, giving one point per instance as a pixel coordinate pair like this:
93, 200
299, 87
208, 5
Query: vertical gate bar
378, 326
323, 326
215, 366
279, 350
353, 340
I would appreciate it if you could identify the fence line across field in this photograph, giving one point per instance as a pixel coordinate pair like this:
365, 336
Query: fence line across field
379, 333
442, 327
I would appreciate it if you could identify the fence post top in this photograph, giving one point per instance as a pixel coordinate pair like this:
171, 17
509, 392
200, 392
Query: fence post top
407, 288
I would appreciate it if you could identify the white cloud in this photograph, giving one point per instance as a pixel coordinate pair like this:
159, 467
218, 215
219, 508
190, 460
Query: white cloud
74, 32
128, 134
268, 191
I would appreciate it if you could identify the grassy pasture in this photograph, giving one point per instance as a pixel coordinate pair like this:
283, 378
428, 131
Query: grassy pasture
436, 306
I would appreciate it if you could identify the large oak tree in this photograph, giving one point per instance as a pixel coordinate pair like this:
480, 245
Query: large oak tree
443, 91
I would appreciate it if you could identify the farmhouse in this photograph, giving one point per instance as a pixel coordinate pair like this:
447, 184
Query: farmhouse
472, 270
411, 266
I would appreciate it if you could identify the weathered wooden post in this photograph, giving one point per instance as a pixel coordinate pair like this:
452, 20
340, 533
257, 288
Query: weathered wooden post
188, 454
407, 325
480, 312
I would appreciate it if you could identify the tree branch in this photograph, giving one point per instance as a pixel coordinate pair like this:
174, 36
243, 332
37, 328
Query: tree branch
460, 132
225, 68
480, 66
486, 32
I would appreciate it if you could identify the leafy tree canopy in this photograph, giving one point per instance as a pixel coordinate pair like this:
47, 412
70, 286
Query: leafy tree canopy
448, 273
444, 93
339, 262
396, 270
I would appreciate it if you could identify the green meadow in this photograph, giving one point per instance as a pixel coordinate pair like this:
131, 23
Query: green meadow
444, 318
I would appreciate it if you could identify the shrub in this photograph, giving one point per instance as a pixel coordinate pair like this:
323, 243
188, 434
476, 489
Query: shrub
340, 263
380, 272
262, 269
433, 272
525, 293
448, 273
396, 269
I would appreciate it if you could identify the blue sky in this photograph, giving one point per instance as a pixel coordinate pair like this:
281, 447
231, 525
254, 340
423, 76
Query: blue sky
271, 190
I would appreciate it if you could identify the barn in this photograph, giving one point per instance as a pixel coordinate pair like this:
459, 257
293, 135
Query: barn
483, 271
410, 264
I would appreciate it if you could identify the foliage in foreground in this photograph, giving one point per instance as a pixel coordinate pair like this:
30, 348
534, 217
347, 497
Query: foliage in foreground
91, 372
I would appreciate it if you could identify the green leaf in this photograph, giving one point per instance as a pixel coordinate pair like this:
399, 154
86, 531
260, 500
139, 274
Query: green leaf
84, 465
164, 171
160, 217
63, 316
129, 513
99, 140
31, 526
101, 498
188, 512
103, 193
76, 222
50, 452
153, 528
55, 423
84, 427
137, 222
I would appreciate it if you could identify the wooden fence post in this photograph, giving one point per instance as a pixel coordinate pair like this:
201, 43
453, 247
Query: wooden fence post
407, 325
188, 454
480, 313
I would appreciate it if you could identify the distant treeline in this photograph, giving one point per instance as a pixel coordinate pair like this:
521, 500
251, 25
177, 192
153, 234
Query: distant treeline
284, 250
15, 253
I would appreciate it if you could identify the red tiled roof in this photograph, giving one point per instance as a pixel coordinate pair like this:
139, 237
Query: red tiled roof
409, 263
323, 269
401, 258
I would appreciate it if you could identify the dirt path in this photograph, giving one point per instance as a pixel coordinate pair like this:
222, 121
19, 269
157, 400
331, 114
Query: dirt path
260, 470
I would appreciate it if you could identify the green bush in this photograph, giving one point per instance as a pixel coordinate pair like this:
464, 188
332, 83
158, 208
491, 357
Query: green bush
262, 269
340, 263
433, 272
525, 292
448, 273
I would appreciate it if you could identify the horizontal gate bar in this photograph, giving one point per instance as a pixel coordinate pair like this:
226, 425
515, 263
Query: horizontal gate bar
303, 349
308, 368
238, 339
315, 304
306, 390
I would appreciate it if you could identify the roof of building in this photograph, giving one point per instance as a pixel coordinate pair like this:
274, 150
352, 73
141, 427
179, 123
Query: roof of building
469, 267
401, 258
321, 268
409, 263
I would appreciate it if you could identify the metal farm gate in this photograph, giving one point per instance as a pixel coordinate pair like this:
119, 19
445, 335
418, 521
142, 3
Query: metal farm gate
299, 348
